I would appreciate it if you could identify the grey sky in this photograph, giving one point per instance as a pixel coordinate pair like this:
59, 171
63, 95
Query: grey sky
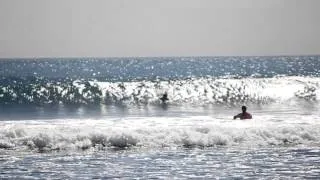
68, 28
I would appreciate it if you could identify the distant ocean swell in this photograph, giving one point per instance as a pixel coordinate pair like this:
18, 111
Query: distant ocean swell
201, 90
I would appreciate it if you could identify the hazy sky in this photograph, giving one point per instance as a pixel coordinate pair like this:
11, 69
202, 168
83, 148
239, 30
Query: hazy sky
95, 28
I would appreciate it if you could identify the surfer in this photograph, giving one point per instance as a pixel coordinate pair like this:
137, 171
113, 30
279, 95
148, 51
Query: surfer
244, 114
164, 98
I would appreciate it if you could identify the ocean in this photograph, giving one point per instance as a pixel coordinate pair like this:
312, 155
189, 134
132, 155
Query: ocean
102, 118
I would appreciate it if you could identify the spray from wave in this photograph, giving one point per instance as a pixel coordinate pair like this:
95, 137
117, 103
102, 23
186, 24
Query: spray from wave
154, 133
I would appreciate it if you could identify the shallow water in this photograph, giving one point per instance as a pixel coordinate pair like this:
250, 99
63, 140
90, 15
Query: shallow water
208, 163
176, 142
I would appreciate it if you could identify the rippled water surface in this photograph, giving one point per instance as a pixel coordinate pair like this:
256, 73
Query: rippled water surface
223, 163
103, 118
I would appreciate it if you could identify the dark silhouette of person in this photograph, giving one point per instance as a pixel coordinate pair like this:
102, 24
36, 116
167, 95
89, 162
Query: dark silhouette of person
164, 97
244, 114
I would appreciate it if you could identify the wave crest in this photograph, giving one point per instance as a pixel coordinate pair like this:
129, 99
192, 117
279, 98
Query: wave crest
190, 91
246, 134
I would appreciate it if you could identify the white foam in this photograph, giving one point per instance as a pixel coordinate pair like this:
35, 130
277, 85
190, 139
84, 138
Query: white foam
146, 132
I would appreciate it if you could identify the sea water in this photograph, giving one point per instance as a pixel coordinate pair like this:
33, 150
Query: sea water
103, 118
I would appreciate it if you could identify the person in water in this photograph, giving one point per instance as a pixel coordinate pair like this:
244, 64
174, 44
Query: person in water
244, 114
164, 98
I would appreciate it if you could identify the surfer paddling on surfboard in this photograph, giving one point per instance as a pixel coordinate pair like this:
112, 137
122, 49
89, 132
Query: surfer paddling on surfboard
244, 114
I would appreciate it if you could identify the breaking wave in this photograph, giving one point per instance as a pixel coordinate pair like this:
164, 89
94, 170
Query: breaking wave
208, 90
145, 134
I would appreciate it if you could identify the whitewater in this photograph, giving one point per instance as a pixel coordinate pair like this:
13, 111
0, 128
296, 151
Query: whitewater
103, 118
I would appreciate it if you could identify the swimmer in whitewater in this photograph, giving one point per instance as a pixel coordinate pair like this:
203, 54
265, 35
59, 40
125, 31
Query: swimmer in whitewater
164, 98
244, 114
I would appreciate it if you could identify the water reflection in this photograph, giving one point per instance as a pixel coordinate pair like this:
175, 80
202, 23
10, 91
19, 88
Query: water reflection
225, 163
94, 111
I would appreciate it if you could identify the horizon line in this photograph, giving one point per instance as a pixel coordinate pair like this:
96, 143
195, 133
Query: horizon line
118, 57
